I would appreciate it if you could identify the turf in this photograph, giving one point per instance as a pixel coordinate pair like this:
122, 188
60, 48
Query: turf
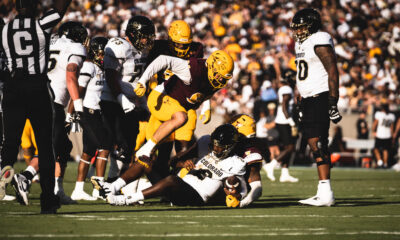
368, 207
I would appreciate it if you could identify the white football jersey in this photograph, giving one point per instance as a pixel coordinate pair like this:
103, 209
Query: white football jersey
311, 77
280, 116
63, 51
385, 121
121, 56
92, 78
217, 171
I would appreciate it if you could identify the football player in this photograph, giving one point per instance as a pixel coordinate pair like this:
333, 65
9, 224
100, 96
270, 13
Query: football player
194, 81
124, 62
254, 151
317, 81
95, 135
214, 162
67, 54
287, 129
179, 44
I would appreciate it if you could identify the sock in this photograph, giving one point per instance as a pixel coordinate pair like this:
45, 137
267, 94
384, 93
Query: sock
146, 149
79, 186
120, 164
324, 186
274, 163
58, 185
29, 173
101, 179
131, 188
285, 172
138, 196
118, 184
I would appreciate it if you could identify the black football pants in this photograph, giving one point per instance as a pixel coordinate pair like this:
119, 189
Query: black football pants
29, 97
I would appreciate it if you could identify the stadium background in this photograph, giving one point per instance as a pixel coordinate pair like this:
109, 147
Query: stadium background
256, 34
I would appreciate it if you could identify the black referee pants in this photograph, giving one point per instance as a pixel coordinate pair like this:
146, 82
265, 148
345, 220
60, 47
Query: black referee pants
23, 98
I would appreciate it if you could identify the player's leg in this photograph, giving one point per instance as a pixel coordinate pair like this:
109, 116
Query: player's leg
287, 142
63, 147
316, 130
170, 113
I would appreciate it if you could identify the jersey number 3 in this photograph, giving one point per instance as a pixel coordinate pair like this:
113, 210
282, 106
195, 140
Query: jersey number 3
302, 70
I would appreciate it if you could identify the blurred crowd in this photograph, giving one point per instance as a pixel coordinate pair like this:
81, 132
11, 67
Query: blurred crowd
257, 35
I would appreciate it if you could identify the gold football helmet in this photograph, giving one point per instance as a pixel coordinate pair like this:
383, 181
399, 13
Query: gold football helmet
179, 37
244, 124
220, 68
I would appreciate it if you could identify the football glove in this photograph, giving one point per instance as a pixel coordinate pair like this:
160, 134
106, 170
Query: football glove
334, 114
232, 201
126, 105
140, 89
206, 115
68, 122
75, 126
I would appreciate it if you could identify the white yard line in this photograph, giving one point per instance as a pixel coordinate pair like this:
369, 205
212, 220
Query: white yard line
183, 235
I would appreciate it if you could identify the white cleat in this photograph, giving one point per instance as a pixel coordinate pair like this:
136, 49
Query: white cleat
318, 201
64, 199
269, 169
8, 198
6, 176
116, 200
396, 167
82, 195
21, 187
104, 188
288, 178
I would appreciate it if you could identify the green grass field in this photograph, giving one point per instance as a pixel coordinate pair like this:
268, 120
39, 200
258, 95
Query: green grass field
367, 207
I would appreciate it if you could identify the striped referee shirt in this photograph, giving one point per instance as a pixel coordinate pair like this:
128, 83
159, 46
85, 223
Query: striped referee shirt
25, 42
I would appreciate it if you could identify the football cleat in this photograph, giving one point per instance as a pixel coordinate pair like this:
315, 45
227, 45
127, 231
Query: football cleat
104, 188
96, 194
269, 169
8, 198
21, 187
319, 201
288, 178
6, 176
82, 195
64, 199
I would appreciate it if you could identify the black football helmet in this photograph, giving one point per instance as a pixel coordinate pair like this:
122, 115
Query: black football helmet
140, 27
74, 31
304, 23
223, 139
96, 50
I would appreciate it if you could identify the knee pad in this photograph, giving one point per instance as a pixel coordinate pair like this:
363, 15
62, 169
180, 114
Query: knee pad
320, 154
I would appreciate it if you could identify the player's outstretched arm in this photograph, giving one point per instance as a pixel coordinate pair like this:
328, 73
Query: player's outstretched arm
61, 6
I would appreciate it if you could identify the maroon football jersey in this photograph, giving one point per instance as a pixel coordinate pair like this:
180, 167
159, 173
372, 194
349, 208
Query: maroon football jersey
161, 47
191, 96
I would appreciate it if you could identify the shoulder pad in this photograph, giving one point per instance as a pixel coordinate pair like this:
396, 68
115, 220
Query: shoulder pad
88, 68
321, 38
118, 48
77, 49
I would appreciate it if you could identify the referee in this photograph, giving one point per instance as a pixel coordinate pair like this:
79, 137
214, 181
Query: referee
25, 42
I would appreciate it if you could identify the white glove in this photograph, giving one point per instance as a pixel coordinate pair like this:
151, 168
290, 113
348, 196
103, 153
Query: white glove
205, 112
78, 105
254, 194
126, 105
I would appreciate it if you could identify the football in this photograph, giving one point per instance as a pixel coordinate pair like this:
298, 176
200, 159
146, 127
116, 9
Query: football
232, 183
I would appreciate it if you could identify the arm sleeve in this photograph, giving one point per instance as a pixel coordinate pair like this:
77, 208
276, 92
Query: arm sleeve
243, 190
49, 20
178, 66
254, 194
78, 60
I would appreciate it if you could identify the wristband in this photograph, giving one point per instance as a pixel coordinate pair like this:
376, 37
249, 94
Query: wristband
78, 105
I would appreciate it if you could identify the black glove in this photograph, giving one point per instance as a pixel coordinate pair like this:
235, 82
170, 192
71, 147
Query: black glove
334, 114
297, 113
200, 173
